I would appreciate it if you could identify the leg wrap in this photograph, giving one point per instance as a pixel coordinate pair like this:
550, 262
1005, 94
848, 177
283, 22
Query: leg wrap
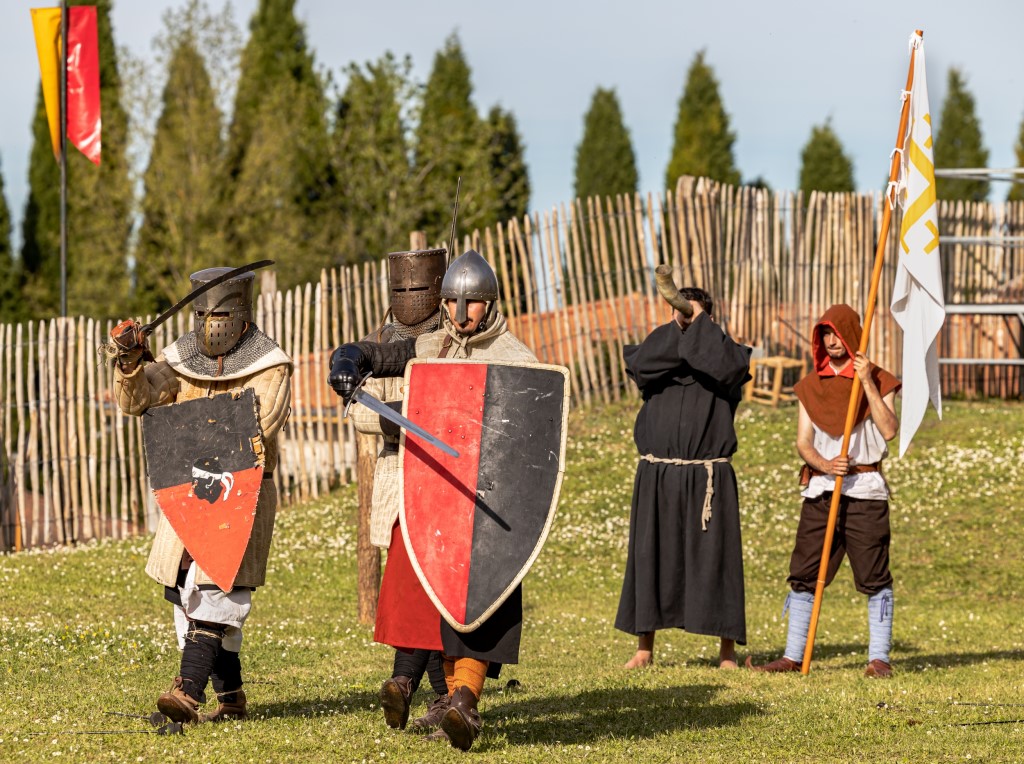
202, 644
880, 625
411, 665
435, 672
227, 675
470, 673
800, 605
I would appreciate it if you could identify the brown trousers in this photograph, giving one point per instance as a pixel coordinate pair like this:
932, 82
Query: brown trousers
862, 532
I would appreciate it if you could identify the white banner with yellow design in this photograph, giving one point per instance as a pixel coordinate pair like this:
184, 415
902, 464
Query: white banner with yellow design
917, 302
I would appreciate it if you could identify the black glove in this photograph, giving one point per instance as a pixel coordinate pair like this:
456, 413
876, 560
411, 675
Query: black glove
349, 364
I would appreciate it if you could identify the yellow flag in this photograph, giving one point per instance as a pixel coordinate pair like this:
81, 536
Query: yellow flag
46, 23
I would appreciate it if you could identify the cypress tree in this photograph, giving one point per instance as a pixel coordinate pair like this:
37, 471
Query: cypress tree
1016, 193
11, 307
605, 161
451, 141
99, 206
180, 227
958, 142
372, 160
824, 166
509, 173
281, 185
703, 141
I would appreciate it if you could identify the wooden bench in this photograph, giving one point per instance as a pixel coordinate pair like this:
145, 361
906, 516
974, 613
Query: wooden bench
775, 369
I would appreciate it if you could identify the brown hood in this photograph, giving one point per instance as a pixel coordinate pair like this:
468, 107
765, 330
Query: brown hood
827, 398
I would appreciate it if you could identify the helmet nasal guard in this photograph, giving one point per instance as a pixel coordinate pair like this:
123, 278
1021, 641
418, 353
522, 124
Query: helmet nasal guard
223, 313
469, 277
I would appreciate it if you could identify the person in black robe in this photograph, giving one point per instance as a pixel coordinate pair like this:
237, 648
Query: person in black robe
685, 566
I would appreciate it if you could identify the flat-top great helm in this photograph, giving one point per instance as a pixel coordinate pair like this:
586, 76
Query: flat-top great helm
415, 278
223, 313
469, 277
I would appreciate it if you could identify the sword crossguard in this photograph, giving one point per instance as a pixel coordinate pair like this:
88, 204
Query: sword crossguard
344, 414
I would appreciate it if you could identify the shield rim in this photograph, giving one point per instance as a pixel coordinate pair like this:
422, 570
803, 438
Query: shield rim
474, 625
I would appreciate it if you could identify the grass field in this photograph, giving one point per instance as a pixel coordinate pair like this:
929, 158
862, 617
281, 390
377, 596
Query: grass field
84, 631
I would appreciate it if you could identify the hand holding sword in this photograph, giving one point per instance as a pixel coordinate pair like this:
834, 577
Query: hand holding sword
350, 368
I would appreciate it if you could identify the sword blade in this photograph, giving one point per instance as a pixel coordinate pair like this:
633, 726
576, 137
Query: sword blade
379, 407
148, 328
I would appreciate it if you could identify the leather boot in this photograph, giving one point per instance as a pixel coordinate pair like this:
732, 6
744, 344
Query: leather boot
776, 666
177, 705
436, 735
435, 712
461, 722
394, 699
878, 669
228, 709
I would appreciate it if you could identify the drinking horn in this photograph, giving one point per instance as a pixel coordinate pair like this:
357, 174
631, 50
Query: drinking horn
668, 290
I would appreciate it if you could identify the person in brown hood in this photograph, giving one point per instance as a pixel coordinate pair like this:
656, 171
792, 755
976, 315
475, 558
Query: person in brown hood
862, 529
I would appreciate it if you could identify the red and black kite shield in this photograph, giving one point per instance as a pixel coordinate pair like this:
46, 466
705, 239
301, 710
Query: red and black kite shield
205, 459
473, 525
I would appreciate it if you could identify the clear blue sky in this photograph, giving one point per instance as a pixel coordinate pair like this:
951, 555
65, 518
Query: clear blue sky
782, 66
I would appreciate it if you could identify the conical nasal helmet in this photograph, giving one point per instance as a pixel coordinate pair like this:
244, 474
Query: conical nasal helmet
223, 313
469, 277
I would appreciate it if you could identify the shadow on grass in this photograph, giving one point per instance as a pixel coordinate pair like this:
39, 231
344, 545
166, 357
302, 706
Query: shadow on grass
354, 702
906, 656
606, 714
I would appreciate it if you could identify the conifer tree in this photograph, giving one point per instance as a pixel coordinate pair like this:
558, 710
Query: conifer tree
281, 186
451, 142
958, 142
703, 141
99, 206
605, 161
509, 173
824, 166
1016, 193
10, 293
180, 231
376, 202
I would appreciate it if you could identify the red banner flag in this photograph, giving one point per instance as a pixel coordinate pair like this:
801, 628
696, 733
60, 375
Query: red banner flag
83, 75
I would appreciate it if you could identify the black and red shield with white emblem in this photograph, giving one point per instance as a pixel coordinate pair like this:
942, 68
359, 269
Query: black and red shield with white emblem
474, 525
205, 460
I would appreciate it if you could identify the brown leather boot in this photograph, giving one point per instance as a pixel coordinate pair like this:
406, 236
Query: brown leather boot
435, 712
878, 669
777, 666
177, 705
394, 699
436, 735
228, 709
461, 722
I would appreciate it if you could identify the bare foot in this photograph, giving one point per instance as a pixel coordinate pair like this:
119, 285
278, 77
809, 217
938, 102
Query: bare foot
727, 655
642, 659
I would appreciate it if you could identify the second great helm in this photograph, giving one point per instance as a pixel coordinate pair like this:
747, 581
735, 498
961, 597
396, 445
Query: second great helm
415, 279
469, 277
222, 314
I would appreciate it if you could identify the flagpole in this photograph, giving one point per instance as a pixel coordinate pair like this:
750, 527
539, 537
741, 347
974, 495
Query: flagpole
63, 68
855, 392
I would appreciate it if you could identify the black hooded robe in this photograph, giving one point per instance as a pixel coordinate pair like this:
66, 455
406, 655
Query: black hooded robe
678, 575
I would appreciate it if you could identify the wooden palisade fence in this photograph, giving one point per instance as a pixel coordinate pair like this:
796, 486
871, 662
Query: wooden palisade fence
577, 286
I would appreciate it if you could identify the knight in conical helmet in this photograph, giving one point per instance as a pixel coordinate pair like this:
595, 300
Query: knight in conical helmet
224, 353
472, 327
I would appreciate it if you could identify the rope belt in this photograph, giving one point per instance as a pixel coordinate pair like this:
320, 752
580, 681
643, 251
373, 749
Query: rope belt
705, 514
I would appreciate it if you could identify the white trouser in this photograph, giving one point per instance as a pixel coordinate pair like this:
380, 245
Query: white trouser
229, 609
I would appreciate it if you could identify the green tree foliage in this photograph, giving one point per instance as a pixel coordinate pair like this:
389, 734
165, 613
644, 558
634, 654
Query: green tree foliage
605, 161
10, 293
377, 204
451, 142
958, 142
180, 230
703, 140
509, 173
281, 184
99, 207
824, 166
1016, 193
